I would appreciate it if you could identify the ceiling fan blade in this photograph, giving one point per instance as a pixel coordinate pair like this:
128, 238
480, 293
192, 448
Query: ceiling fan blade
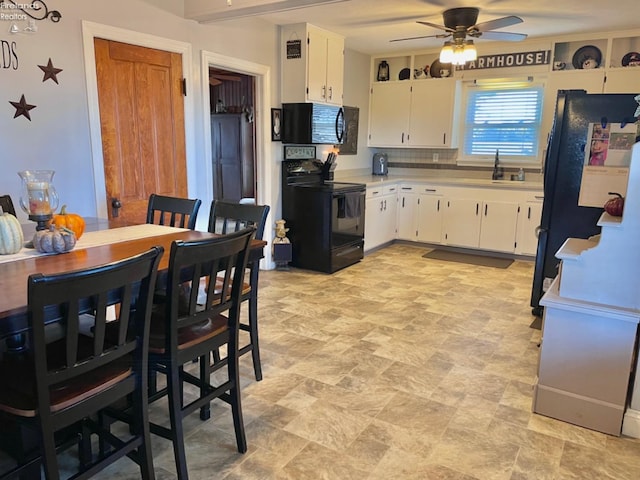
505, 36
214, 82
497, 23
439, 35
435, 25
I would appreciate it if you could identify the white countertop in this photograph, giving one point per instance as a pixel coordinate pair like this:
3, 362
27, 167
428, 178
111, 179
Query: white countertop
374, 180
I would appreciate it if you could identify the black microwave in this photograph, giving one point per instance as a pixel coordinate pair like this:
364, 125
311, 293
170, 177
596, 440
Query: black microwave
309, 123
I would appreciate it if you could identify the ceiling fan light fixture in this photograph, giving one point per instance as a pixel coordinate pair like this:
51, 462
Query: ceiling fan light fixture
470, 52
446, 54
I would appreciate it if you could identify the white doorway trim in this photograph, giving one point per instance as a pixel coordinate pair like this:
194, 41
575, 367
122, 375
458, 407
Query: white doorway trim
262, 119
90, 30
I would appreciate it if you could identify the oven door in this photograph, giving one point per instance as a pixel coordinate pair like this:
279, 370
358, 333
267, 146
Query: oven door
347, 217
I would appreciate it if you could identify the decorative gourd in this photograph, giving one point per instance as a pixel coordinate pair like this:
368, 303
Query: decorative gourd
72, 221
11, 237
54, 240
614, 206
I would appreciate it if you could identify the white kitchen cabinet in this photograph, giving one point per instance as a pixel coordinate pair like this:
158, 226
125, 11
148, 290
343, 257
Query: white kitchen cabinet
622, 80
498, 226
432, 113
413, 114
315, 72
408, 212
381, 215
528, 222
461, 222
430, 208
389, 114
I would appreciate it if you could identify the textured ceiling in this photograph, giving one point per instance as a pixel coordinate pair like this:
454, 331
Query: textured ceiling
369, 25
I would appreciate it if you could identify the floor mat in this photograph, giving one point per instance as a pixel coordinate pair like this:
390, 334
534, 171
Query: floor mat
468, 258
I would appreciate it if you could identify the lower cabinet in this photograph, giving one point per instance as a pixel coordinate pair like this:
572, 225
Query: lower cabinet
408, 212
461, 225
529, 215
498, 226
492, 219
430, 208
380, 216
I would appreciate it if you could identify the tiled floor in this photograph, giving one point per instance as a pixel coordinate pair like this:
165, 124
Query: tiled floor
396, 368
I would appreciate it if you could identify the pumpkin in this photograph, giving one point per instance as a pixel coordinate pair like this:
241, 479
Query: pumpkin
72, 221
614, 206
54, 240
11, 237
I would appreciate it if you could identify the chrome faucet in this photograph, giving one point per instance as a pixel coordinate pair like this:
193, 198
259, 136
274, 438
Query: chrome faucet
498, 171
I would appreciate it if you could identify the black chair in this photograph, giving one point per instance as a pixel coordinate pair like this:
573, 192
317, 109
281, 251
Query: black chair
182, 330
173, 211
226, 217
7, 204
69, 375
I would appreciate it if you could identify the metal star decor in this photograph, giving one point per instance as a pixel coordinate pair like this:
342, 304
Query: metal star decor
50, 72
22, 108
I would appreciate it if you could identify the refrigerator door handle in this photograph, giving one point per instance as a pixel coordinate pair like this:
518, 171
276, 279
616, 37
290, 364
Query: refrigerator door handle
538, 230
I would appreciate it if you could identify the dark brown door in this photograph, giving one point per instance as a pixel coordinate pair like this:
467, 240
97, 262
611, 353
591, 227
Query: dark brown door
142, 121
232, 156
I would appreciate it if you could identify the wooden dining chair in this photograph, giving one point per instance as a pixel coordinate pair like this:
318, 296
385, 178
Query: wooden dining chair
67, 378
182, 329
7, 204
173, 211
226, 217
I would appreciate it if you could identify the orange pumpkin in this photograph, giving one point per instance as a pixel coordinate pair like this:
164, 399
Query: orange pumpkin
72, 221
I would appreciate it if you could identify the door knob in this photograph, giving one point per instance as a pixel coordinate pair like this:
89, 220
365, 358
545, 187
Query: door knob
116, 205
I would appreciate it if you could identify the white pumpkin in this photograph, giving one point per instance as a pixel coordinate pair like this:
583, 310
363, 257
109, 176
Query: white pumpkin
11, 237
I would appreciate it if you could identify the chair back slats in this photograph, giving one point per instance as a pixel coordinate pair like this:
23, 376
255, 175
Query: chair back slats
227, 217
7, 204
125, 284
173, 211
200, 262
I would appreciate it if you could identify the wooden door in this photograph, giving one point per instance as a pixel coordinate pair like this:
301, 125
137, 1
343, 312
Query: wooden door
142, 121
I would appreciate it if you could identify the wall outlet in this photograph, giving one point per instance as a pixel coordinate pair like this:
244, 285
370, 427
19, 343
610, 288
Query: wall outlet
436, 157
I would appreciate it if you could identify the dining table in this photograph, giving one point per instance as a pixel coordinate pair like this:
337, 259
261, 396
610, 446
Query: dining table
98, 247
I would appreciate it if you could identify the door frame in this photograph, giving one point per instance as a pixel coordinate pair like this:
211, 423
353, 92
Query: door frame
262, 76
90, 30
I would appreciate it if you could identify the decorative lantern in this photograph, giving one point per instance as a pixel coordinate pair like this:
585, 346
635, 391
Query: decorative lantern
39, 198
383, 71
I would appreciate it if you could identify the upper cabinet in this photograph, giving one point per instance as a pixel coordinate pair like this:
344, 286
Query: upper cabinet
312, 65
415, 107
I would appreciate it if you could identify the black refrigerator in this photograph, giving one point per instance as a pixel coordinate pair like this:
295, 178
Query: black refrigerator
561, 216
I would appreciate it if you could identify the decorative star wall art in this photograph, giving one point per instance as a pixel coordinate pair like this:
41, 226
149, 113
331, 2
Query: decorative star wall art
22, 108
50, 72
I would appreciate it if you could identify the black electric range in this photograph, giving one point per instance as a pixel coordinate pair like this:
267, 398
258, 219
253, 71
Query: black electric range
325, 218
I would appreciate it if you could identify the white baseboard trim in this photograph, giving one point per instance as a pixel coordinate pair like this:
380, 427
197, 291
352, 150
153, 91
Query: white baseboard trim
631, 423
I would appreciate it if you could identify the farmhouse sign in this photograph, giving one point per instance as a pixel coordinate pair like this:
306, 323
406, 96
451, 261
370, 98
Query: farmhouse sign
519, 59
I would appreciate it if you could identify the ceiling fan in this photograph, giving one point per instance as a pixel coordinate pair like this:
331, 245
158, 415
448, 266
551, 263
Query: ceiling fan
461, 22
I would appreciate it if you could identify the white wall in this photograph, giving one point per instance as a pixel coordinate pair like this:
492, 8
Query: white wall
58, 137
356, 94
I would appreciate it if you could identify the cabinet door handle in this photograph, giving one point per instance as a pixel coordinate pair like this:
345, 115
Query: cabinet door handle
485, 210
477, 207
438, 208
380, 205
385, 204
539, 197
330, 93
402, 137
402, 202
529, 214
324, 91
444, 138
429, 189
407, 188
